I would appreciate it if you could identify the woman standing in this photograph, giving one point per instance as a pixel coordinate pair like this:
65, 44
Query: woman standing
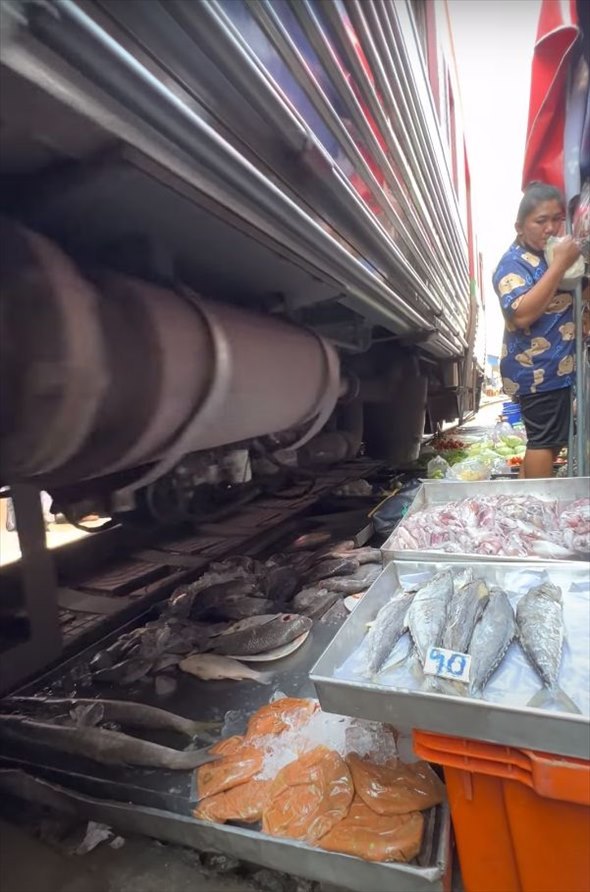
538, 353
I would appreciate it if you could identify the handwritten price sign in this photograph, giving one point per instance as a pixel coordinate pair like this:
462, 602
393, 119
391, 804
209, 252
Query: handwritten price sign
447, 664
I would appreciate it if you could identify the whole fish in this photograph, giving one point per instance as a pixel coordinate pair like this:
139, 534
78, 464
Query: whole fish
280, 584
492, 636
309, 540
314, 601
388, 627
124, 712
100, 745
465, 607
341, 566
366, 555
361, 580
539, 616
210, 602
240, 608
126, 672
216, 667
260, 634
427, 614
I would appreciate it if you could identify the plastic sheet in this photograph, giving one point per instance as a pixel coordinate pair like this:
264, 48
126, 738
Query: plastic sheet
395, 788
309, 796
376, 837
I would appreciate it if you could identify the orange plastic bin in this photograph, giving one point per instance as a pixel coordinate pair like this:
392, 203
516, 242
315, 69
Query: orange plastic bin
521, 818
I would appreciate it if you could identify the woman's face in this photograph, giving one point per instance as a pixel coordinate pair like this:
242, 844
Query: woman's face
546, 220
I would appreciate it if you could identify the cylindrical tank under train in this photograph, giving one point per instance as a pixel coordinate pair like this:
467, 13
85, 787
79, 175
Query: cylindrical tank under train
109, 374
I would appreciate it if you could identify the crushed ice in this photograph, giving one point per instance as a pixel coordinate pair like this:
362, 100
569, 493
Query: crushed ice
340, 733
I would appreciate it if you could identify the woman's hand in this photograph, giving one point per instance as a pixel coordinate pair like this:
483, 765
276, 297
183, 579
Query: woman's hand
565, 252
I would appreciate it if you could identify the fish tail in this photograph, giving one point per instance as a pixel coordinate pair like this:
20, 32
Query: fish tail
454, 688
548, 696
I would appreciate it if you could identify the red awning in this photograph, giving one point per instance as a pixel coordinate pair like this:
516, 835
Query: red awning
557, 33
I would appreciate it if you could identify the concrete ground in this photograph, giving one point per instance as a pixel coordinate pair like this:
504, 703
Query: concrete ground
34, 858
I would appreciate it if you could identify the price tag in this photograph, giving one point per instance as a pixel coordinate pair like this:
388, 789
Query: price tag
447, 664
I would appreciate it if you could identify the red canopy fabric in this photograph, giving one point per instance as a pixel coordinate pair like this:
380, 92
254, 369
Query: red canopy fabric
556, 35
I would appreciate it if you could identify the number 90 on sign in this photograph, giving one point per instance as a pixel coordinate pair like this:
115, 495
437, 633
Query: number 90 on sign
447, 664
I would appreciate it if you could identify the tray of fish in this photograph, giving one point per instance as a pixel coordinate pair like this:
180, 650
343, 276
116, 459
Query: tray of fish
492, 651
506, 520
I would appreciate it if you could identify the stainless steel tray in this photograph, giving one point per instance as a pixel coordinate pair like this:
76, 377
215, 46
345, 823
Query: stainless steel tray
434, 492
342, 692
159, 804
284, 855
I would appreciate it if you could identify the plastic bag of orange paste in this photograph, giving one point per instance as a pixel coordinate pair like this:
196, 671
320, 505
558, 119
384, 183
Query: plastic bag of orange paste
281, 715
242, 803
395, 788
309, 796
241, 761
375, 837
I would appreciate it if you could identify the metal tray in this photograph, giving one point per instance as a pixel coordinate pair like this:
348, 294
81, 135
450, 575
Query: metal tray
159, 804
434, 492
342, 692
283, 855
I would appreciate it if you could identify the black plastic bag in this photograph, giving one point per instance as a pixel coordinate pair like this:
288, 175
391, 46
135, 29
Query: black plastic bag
392, 510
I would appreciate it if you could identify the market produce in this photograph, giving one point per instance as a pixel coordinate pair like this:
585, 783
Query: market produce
237, 760
457, 611
427, 615
314, 601
464, 608
244, 803
281, 715
243, 608
539, 617
491, 639
101, 745
260, 634
215, 666
330, 781
387, 628
521, 526
309, 796
123, 712
395, 788
366, 834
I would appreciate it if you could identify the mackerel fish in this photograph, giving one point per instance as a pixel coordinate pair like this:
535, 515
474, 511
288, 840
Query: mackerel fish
465, 607
387, 629
428, 612
491, 638
541, 631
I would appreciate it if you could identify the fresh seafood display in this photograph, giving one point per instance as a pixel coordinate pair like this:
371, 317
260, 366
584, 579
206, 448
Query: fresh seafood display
464, 609
241, 608
329, 781
123, 712
101, 745
539, 618
427, 615
215, 666
511, 526
387, 628
492, 636
456, 611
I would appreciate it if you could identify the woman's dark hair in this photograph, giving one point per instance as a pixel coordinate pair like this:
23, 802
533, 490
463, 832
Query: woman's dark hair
533, 195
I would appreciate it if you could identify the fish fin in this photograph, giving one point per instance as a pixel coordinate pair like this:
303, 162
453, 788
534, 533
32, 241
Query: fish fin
203, 755
547, 696
265, 677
